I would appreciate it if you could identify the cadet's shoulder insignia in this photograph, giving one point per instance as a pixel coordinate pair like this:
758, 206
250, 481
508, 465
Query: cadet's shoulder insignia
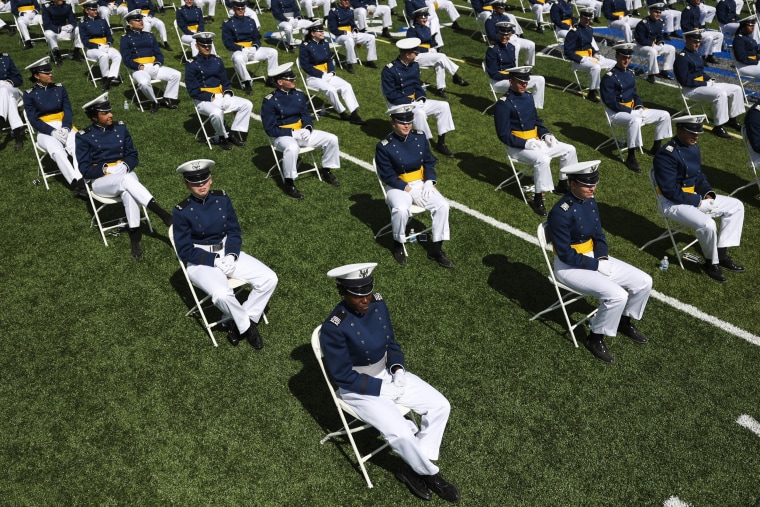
574, 28
566, 205
58, 84
385, 141
609, 73
503, 98
85, 130
217, 192
227, 21
418, 132
389, 65
267, 97
30, 90
669, 148
682, 53
338, 317
119, 122
183, 204
334, 9
377, 296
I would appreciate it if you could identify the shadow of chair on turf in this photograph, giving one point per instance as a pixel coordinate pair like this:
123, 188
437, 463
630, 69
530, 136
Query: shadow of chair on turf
575, 134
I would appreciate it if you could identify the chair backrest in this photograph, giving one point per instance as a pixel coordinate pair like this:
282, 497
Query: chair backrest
752, 154
545, 242
317, 348
655, 189
382, 185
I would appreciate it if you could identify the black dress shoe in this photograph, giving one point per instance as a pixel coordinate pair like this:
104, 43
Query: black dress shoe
166, 46
651, 79
714, 272
330, 178
247, 88
561, 188
596, 345
414, 482
254, 337
233, 335
633, 333
371, 65
399, 255
350, 68
711, 59
11, 30
168, 103
538, 209
734, 124
136, 250
633, 164
729, 264
154, 107
293, 192
78, 56
540, 29
592, 96
27, 45
440, 92
225, 144
236, 138
442, 488
459, 81
721, 132
386, 33
105, 84
441, 259
443, 150
355, 119
664, 74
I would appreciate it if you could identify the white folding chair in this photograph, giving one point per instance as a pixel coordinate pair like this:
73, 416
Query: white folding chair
490, 86
334, 47
671, 228
752, 157
32, 36
565, 295
41, 155
184, 47
99, 202
686, 111
302, 150
309, 90
615, 133
415, 210
138, 96
350, 421
515, 178
561, 48
91, 64
204, 122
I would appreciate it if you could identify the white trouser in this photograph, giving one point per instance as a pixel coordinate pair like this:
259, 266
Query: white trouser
712, 42
527, 45
60, 153
667, 52
293, 24
249, 13
209, 4
53, 38
482, 18
632, 4
541, 160
372, 11
536, 87
188, 39
727, 99
252, 271
672, 20
349, 41
149, 23
308, 7
333, 86
626, 24
440, 62
245, 55
25, 20
9, 97
437, 108
416, 446
317, 139
624, 292
706, 14
561, 34
401, 202
638, 117
445, 5
593, 4
108, 60
126, 186
748, 70
594, 67
149, 72
221, 104
106, 11
731, 213
392, 4
539, 10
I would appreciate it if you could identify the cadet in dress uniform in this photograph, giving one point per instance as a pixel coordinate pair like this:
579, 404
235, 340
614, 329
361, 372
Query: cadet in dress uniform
242, 39
435, 23
501, 58
483, 10
366, 362
142, 55
401, 84
407, 168
518, 41
370, 8
429, 56
561, 15
745, 49
728, 16
727, 99
58, 23
616, 13
109, 158
288, 15
341, 24
10, 80
27, 13
522, 131
539, 8
208, 85
190, 21
208, 238
97, 37
582, 50
287, 121
5, 6
308, 7
149, 20
49, 111
625, 107
688, 199
108, 8
712, 40
583, 263
650, 36
315, 59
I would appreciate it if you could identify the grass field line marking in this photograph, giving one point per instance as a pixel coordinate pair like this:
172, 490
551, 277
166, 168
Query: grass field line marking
674, 501
675, 303
750, 423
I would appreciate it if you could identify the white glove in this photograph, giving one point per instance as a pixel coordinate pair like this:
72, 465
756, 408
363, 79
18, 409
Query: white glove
421, 99
120, 168
532, 144
67, 28
399, 378
229, 264
104, 47
418, 197
61, 135
550, 140
605, 267
707, 205
302, 134
391, 391
427, 190
710, 83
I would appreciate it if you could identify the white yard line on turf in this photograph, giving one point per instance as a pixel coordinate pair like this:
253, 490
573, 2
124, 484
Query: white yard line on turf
750, 423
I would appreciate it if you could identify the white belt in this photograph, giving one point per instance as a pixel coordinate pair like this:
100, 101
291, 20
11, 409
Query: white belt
373, 370
217, 247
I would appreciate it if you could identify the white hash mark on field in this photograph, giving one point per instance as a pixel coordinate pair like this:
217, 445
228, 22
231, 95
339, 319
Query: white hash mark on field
750, 423
674, 501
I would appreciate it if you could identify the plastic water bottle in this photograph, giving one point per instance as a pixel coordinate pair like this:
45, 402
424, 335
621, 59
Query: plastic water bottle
126, 104
412, 237
664, 263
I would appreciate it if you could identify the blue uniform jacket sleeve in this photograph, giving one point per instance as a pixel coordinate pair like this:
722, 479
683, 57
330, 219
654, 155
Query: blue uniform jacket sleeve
491, 32
752, 125
332, 23
184, 242
492, 64
642, 34
685, 75
385, 169
228, 37
13, 75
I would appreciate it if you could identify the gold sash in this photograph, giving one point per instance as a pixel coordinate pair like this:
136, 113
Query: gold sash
145, 12
192, 28
52, 117
627, 104
752, 57
216, 89
425, 46
111, 164
487, 7
245, 44
412, 96
145, 59
619, 14
700, 78
504, 72
586, 52
98, 40
526, 134
26, 8
346, 28
295, 126
585, 247
688, 190
568, 21
321, 66
412, 176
